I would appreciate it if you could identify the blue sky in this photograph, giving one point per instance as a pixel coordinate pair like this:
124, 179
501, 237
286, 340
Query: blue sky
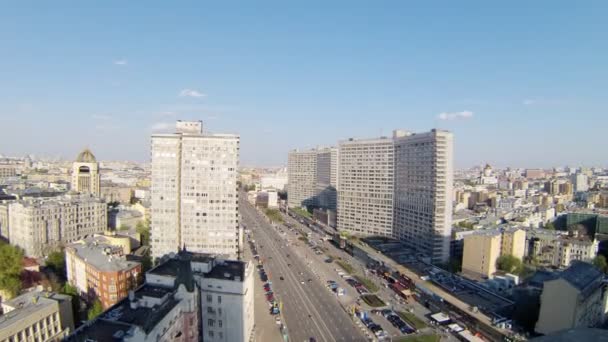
519, 83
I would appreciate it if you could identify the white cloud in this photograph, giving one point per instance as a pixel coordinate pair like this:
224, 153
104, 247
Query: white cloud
161, 126
121, 62
191, 93
101, 117
465, 114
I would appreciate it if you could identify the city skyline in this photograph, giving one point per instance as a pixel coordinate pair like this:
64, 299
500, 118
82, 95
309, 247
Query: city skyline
489, 75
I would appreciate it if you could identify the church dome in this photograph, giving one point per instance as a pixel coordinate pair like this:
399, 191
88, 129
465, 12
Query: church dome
86, 156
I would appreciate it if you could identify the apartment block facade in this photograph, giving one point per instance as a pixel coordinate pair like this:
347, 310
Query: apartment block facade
194, 199
36, 315
482, 249
366, 186
301, 178
40, 225
100, 270
188, 297
423, 191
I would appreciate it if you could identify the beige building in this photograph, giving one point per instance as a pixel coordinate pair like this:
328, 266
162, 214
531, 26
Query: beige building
302, 178
85, 173
36, 315
482, 249
40, 225
112, 192
194, 199
576, 299
4, 220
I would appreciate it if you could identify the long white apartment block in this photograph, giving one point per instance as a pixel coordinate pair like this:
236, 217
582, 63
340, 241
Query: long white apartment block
366, 186
398, 187
301, 178
193, 194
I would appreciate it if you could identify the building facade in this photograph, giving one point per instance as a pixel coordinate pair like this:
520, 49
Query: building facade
366, 186
301, 178
576, 299
187, 297
40, 225
423, 191
100, 270
36, 315
483, 248
85, 173
194, 199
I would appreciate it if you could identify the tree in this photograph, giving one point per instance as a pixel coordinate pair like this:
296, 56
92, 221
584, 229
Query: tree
600, 262
10, 269
95, 310
73, 291
56, 262
144, 233
146, 262
509, 264
550, 226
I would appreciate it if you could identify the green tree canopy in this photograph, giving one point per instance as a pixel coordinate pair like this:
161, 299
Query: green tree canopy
600, 262
550, 226
509, 264
95, 310
144, 232
56, 262
10, 269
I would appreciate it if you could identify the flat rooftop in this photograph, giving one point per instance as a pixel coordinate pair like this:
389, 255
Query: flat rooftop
228, 270
93, 254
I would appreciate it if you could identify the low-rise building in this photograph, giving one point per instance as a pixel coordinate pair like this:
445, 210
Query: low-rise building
576, 299
112, 192
482, 249
100, 270
36, 315
187, 297
40, 225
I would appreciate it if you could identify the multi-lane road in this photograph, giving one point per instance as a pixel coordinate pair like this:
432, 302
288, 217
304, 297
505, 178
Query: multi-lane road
309, 309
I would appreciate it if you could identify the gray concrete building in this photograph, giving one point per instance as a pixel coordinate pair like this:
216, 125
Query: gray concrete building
194, 199
40, 225
36, 315
312, 178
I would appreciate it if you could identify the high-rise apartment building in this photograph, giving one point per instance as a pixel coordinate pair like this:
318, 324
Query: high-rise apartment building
85, 173
399, 187
581, 182
423, 191
40, 225
193, 194
301, 178
366, 186
326, 178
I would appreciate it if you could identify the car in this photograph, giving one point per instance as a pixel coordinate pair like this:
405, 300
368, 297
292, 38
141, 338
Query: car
288, 265
386, 312
302, 282
309, 280
281, 278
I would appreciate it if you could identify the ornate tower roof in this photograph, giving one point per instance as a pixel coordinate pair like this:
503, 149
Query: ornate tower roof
86, 156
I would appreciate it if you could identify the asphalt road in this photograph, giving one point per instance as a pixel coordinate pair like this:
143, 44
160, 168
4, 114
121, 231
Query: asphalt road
309, 309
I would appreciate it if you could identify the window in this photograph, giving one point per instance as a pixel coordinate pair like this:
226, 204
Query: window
219, 311
221, 335
209, 298
219, 323
219, 299
209, 309
210, 322
210, 333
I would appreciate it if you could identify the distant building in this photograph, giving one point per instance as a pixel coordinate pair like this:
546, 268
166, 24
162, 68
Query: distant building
36, 315
486, 177
113, 192
194, 192
482, 249
40, 225
302, 178
312, 177
187, 297
535, 173
100, 271
278, 182
576, 299
85, 173
581, 182
125, 218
